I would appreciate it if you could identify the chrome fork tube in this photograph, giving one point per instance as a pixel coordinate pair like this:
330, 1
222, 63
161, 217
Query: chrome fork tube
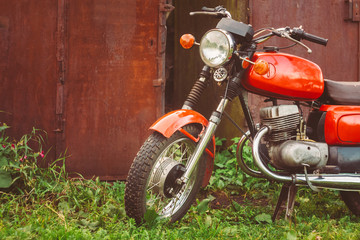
205, 139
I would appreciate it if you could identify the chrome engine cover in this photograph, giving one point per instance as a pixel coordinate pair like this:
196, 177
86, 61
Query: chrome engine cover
294, 154
288, 149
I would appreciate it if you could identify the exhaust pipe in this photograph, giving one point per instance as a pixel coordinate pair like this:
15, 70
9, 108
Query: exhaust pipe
344, 182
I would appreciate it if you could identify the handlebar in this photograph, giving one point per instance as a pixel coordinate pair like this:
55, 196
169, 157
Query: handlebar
299, 33
295, 34
292, 34
218, 11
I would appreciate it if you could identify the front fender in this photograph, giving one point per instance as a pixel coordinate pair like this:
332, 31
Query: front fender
168, 124
171, 122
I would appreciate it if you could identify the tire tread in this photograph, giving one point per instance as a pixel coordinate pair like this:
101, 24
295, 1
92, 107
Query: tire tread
140, 170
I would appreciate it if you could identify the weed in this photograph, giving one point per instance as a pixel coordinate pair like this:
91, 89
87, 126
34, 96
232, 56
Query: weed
52, 206
227, 174
19, 159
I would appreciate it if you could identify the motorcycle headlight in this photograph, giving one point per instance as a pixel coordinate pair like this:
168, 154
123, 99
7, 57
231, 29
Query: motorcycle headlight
216, 47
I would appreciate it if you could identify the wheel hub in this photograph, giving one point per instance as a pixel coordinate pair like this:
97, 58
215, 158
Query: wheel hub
165, 175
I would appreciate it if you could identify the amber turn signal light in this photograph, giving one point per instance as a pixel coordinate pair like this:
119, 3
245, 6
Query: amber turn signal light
187, 41
261, 67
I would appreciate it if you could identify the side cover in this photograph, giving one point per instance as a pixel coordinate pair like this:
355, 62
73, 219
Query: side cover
174, 121
342, 124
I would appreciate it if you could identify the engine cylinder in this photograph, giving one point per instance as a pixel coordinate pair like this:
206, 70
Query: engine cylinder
285, 153
283, 120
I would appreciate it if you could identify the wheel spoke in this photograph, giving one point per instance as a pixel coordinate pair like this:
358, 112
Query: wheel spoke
152, 179
179, 151
185, 152
154, 185
174, 151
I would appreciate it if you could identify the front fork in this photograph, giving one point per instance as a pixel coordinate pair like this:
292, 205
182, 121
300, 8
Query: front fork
234, 86
205, 139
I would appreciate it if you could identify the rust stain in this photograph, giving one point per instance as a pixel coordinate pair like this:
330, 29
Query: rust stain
109, 98
27, 66
83, 71
339, 60
323, 18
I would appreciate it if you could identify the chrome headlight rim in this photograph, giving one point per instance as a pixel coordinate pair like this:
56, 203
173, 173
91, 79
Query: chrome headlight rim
231, 45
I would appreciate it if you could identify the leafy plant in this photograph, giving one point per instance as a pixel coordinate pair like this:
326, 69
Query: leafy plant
228, 175
54, 206
225, 172
17, 159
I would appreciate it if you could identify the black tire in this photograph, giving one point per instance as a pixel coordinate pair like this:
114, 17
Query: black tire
352, 201
141, 192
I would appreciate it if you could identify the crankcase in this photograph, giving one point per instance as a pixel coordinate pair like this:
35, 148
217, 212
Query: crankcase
295, 154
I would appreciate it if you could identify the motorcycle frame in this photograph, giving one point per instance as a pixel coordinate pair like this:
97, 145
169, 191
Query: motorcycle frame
279, 129
174, 121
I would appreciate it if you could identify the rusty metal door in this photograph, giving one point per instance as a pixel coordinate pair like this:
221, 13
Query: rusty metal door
327, 18
28, 66
88, 72
337, 20
112, 90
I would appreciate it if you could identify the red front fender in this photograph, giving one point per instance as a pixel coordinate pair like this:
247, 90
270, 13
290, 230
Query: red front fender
168, 124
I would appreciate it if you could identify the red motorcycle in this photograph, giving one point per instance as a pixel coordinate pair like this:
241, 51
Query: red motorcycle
320, 152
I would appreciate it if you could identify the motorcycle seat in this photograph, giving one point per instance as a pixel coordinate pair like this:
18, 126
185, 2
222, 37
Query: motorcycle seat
343, 93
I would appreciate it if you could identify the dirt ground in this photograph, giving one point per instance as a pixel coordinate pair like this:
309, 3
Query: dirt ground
224, 199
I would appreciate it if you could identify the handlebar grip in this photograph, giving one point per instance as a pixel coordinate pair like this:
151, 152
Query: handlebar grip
315, 39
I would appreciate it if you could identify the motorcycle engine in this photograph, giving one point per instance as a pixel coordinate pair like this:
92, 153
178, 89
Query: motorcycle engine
287, 144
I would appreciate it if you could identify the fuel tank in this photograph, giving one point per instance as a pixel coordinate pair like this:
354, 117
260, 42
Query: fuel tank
289, 77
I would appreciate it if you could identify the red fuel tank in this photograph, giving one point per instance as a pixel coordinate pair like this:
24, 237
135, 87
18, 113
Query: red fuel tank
289, 77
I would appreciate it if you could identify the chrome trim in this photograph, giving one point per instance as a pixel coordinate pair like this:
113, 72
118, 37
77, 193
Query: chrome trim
204, 141
231, 42
239, 156
257, 159
186, 107
344, 182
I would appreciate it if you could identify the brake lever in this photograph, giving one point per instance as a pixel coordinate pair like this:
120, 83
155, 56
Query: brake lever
285, 34
205, 13
217, 14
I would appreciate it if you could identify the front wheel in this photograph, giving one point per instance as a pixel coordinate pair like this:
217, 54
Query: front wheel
151, 182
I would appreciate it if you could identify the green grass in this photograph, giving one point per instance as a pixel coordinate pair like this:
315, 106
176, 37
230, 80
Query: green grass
46, 204
87, 209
